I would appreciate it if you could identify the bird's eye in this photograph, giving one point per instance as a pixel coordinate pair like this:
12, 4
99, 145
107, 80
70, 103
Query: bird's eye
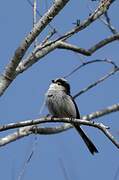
59, 83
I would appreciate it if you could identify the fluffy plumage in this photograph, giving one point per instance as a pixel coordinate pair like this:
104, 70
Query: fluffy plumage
61, 104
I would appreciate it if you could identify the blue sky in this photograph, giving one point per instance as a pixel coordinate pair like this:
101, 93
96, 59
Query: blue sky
25, 96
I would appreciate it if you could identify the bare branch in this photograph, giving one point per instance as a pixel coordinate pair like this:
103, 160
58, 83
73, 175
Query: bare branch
71, 47
27, 161
88, 118
38, 13
63, 168
32, 5
34, 19
97, 82
107, 22
51, 130
58, 43
18, 65
90, 51
104, 42
20, 133
27, 131
48, 37
101, 9
34, 57
116, 174
32, 128
10, 73
112, 72
42, 50
106, 111
110, 136
108, 61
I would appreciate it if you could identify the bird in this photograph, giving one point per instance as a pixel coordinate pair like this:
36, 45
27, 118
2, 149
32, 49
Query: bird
61, 104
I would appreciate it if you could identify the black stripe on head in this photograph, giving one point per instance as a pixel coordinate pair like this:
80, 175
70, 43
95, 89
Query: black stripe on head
63, 82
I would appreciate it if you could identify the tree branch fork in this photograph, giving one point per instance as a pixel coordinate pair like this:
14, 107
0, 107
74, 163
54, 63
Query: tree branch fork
18, 64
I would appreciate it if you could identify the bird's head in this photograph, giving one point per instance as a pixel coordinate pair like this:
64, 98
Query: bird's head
60, 84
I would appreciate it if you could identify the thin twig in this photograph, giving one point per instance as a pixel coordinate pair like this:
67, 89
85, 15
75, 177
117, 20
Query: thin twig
63, 168
97, 82
27, 161
86, 52
33, 57
101, 9
108, 61
116, 174
40, 15
48, 37
108, 23
34, 19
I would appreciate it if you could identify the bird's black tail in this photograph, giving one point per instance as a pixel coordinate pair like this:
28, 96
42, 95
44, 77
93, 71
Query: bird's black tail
87, 141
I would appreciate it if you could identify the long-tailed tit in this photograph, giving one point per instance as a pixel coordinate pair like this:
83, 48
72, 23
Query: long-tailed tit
61, 104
